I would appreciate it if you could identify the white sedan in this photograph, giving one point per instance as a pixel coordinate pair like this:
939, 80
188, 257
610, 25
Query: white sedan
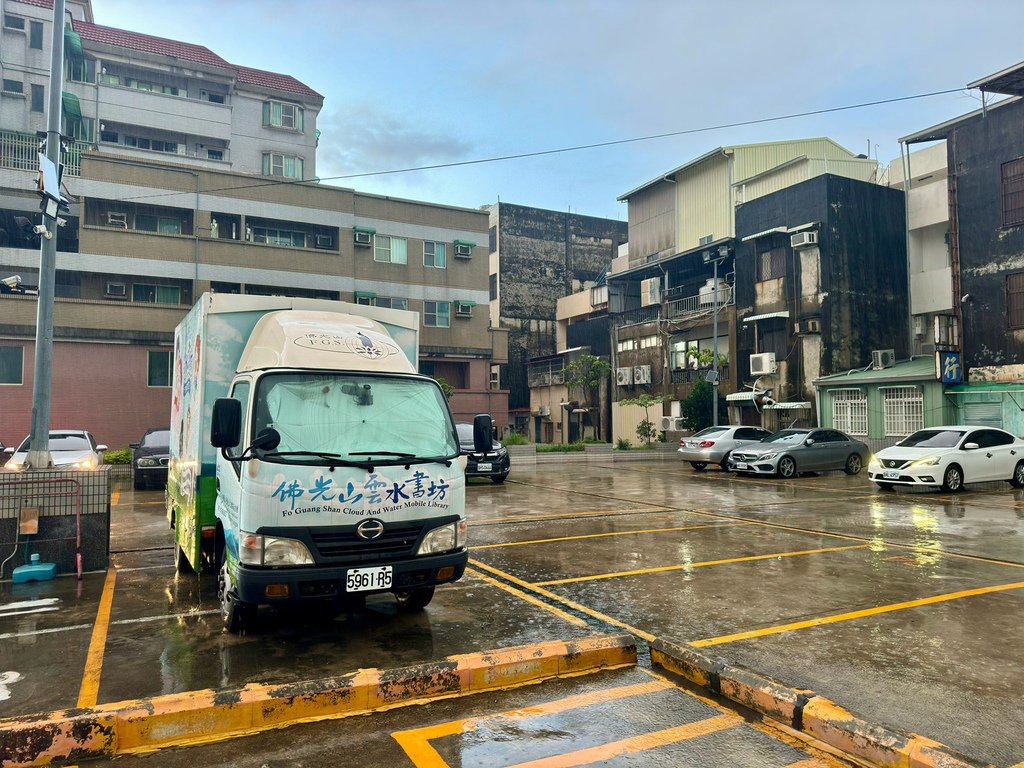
948, 457
71, 448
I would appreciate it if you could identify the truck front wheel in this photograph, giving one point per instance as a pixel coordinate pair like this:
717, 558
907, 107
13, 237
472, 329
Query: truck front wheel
414, 599
236, 614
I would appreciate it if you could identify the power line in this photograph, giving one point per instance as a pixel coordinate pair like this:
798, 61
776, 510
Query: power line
577, 148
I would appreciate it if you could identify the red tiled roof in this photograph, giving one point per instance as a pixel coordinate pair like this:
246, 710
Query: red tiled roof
273, 80
122, 38
39, 3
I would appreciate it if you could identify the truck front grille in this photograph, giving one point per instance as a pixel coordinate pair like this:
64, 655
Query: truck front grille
397, 542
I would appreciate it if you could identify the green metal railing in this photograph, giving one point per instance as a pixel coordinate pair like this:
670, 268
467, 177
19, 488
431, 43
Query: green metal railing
20, 151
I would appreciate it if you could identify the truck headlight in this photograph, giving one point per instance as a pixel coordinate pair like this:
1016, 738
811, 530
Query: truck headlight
146, 462
444, 538
256, 549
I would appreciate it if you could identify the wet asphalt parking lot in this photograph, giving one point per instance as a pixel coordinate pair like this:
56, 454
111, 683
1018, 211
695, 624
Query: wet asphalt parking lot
904, 607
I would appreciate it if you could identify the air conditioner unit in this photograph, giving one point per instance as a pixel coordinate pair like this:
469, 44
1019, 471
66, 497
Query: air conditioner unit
623, 376
642, 374
668, 424
363, 238
463, 250
463, 309
807, 326
883, 358
495, 381
650, 291
115, 219
803, 239
558, 377
763, 364
117, 289
324, 241
544, 410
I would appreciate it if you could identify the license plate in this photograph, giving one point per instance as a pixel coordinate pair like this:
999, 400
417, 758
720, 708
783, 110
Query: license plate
363, 579
484, 467
741, 465
891, 474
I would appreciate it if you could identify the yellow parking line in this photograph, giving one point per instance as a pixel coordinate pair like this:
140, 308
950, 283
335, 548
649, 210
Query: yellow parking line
685, 566
854, 615
600, 535
115, 497
94, 660
530, 599
594, 513
565, 601
635, 744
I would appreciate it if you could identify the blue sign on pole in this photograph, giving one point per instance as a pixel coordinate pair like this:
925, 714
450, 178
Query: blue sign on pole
949, 367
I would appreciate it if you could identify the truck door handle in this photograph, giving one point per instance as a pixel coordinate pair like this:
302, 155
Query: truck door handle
988, 455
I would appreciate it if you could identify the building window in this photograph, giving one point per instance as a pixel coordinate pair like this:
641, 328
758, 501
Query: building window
11, 365
626, 345
110, 137
80, 130
492, 239
156, 145
771, 264
148, 222
437, 314
1015, 300
156, 294
287, 166
433, 254
1013, 192
80, 70
277, 114
13, 86
492, 285
38, 98
14, 22
158, 368
285, 237
388, 302
647, 342
903, 410
389, 249
850, 411
215, 154
35, 35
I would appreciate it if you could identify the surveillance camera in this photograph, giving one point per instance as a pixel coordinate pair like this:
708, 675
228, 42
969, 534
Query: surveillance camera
61, 222
39, 229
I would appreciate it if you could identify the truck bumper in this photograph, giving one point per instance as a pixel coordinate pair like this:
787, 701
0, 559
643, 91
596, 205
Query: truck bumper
328, 583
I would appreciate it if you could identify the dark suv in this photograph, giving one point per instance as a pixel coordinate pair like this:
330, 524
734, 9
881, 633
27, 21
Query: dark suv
150, 457
494, 464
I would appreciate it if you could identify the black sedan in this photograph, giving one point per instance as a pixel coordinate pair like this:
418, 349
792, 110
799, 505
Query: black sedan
494, 464
150, 457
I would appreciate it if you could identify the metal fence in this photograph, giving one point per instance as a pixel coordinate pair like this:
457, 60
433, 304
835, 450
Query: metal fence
20, 151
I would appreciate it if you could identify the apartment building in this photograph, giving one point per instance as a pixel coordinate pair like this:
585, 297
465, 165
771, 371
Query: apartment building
186, 174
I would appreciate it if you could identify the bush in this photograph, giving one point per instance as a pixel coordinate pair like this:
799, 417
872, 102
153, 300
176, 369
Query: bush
515, 438
622, 444
122, 456
594, 441
559, 447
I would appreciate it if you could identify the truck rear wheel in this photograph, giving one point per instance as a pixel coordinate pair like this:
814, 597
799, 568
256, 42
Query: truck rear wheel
414, 599
236, 614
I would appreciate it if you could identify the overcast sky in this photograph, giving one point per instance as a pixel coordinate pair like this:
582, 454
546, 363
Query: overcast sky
409, 84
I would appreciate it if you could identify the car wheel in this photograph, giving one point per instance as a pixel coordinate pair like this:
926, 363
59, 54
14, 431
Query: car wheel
698, 465
786, 467
1018, 479
854, 463
884, 486
235, 614
724, 463
953, 479
414, 599
498, 479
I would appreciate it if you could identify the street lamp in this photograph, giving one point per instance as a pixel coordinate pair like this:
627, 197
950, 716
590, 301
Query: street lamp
712, 258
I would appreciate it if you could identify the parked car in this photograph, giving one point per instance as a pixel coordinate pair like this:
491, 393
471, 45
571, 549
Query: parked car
68, 448
149, 459
790, 451
714, 444
494, 464
948, 457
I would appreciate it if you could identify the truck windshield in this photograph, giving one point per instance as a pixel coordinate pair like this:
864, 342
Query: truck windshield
352, 415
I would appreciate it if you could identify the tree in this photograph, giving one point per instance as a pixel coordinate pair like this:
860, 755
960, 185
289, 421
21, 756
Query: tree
447, 388
646, 430
587, 373
696, 408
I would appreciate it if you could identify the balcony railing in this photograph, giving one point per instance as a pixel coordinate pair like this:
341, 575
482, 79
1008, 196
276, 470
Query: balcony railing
693, 375
637, 316
701, 304
20, 151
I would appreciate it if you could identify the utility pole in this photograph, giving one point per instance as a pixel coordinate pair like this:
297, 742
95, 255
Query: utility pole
713, 376
39, 441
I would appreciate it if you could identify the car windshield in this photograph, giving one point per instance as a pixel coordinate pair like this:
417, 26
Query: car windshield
62, 442
933, 438
786, 436
354, 415
711, 431
159, 439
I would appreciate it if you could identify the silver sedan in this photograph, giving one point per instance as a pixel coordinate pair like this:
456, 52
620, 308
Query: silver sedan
792, 451
714, 444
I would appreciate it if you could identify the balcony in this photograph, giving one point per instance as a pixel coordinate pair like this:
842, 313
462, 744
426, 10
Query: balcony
89, 316
693, 375
702, 304
20, 151
638, 316
174, 114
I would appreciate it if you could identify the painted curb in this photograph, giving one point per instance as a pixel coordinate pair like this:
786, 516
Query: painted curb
161, 721
807, 712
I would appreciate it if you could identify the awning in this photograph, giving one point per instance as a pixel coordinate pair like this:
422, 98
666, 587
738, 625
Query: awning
71, 107
470, 243
368, 230
733, 397
766, 316
767, 232
72, 44
986, 388
365, 295
788, 407
465, 302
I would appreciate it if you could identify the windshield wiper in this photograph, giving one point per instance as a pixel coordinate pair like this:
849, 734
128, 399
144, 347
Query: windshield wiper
383, 453
395, 458
333, 458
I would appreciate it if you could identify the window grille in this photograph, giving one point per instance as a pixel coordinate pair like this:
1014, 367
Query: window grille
1013, 192
850, 411
1015, 300
771, 264
903, 410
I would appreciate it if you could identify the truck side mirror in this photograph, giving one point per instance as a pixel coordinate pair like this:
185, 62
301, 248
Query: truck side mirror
226, 426
483, 430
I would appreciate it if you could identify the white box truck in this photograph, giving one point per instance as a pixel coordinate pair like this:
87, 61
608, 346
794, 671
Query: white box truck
310, 462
